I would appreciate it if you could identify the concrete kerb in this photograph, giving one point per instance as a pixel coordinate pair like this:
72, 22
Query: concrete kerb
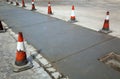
37, 57
105, 31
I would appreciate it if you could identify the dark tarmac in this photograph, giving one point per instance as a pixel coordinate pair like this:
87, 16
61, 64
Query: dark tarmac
72, 49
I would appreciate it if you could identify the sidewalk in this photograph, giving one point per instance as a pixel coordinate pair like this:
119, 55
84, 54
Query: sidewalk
7, 58
42, 69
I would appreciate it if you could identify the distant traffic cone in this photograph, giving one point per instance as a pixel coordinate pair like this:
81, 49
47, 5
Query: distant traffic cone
105, 28
11, 1
33, 5
17, 4
72, 17
7, 0
1, 28
49, 8
23, 3
21, 62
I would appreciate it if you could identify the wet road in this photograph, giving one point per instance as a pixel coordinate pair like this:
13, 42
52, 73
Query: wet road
74, 50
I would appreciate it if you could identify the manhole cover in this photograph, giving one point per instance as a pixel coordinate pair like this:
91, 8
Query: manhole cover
111, 59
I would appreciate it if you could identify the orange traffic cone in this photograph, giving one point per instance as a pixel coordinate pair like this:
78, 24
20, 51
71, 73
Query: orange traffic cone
23, 3
7, 0
105, 28
17, 4
1, 28
72, 17
49, 8
33, 5
21, 62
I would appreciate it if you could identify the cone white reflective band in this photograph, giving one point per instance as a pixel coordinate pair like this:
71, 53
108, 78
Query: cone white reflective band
20, 46
107, 17
72, 13
32, 2
48, 4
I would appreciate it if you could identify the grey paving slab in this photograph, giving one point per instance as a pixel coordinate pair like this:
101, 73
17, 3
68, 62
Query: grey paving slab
85, 64
7, 59
73, 49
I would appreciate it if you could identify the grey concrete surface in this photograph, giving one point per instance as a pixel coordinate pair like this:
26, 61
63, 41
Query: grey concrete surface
74, 50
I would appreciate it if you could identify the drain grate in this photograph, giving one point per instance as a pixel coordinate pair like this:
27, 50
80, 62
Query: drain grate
111, 59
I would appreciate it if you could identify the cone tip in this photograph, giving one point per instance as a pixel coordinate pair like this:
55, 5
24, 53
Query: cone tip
20, 33
20, 37
73, 7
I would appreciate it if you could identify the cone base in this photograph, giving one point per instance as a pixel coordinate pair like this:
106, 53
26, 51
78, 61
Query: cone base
11, 2
23, 6
105, 31
72, 21
22, 63
7, 0
17, 4
33, 9
50, 13
16, 68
